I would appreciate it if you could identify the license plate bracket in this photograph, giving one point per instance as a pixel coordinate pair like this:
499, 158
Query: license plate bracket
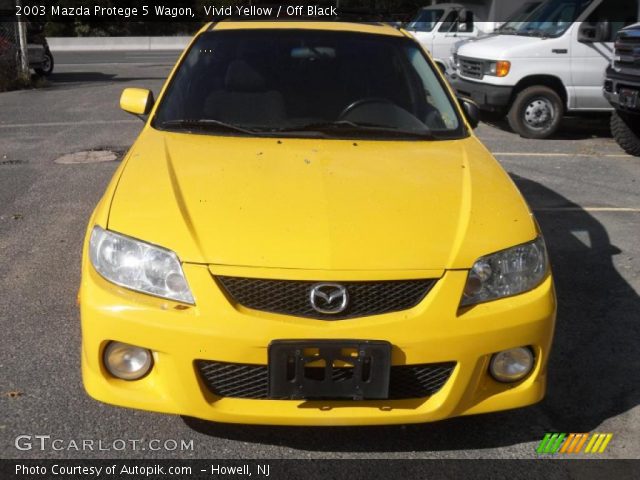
329, 369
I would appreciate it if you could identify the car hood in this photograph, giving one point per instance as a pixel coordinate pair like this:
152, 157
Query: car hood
506, 47
318, 204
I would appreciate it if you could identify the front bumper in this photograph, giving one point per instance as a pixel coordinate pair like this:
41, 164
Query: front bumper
432, 332
616, 80
488, 97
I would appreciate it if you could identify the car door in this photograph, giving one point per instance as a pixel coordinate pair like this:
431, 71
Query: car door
589, 60
449, 33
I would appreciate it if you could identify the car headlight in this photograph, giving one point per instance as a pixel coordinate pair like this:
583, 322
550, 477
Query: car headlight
506, 273
139, 266
499, 68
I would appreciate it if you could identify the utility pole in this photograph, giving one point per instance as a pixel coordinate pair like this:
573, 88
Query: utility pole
22, 36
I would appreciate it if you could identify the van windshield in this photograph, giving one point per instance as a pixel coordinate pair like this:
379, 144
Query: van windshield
308, 83
552, 18
517, 18
425, 20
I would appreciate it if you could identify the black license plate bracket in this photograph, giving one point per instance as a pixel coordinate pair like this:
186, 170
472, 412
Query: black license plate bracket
329, 369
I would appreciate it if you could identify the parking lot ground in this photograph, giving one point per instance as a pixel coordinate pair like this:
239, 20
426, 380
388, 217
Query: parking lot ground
585, 192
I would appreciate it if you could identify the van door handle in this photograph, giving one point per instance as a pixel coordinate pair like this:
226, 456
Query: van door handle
560, 50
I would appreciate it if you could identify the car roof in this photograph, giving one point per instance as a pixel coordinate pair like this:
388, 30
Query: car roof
376, 28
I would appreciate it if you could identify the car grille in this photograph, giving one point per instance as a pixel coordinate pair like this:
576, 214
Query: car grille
470, 68
627, 53
289, 297
239, 380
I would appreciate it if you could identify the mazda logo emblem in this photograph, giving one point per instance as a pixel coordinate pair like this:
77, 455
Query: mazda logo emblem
329, 298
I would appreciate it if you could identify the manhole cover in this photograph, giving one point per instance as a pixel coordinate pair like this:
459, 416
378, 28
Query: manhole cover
89, 156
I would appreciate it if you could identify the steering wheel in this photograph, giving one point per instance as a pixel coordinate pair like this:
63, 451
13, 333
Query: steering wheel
363, 101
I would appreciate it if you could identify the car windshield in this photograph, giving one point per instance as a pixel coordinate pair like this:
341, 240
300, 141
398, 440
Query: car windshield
308, 83
425, 20
552, 18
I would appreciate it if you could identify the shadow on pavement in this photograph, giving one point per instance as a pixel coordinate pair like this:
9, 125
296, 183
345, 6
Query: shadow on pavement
87, 77
593, 372
578, 127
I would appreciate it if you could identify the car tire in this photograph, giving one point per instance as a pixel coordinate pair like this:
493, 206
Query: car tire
536, 112
625, 130
46, 68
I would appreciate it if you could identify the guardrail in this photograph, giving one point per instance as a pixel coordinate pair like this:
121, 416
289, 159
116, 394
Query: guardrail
60, 44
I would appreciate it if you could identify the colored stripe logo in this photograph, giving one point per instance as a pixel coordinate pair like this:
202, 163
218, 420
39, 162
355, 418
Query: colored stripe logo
574, 443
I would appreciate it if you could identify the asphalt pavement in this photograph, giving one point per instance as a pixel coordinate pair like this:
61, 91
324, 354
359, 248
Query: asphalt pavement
584, 189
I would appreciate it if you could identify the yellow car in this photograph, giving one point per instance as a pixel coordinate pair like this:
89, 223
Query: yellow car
307, 232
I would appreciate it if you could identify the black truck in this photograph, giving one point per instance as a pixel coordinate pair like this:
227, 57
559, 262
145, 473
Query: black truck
622, 89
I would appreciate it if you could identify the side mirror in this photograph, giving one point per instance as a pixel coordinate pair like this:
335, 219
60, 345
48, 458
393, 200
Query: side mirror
594, 32
137, 101
604, 31
466, 21
471, 111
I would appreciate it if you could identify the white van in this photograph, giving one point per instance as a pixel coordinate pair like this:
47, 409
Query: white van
440, 26
513, 21
551, 64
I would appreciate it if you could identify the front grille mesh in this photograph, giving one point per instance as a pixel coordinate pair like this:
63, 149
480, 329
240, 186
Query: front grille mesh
290, 297
471, 68
627, 53
235, 380
239, 380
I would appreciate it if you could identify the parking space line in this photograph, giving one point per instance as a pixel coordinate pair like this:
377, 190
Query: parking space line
588, 155
68, 124
587, 209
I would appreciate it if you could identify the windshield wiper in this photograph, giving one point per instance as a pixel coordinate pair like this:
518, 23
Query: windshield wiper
358, 127
208, 124
507, 30
536, 33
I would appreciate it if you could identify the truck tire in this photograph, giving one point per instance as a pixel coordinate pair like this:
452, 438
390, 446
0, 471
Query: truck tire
536, 112
626, 130
46, 68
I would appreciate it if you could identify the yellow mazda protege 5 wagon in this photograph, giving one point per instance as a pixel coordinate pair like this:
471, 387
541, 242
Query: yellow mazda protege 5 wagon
307, 232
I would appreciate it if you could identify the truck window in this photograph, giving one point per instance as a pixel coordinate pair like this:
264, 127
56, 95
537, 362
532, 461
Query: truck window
426, 20
450, 23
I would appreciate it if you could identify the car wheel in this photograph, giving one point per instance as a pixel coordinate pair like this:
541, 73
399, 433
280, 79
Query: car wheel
46, 68
536, 112
625, 130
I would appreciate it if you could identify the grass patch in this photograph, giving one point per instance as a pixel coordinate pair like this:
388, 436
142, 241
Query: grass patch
10, 79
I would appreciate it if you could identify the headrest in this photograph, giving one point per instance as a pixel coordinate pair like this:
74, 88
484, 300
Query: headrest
242, 77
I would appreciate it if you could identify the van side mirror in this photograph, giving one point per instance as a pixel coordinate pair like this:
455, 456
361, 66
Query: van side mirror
466, 21
471, 111
594, 32
138, 101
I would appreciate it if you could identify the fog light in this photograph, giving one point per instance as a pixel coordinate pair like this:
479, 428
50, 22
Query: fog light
127, 361
511, 365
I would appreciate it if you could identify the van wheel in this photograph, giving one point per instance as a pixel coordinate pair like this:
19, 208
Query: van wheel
536, 112
46, 68
625, 130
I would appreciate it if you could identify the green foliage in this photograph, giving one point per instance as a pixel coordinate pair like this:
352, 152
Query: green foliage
91, 27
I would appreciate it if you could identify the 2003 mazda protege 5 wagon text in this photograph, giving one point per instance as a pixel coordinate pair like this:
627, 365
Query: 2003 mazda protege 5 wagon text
307, 232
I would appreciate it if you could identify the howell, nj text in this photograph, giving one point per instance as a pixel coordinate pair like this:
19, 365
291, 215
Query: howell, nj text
245, 469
